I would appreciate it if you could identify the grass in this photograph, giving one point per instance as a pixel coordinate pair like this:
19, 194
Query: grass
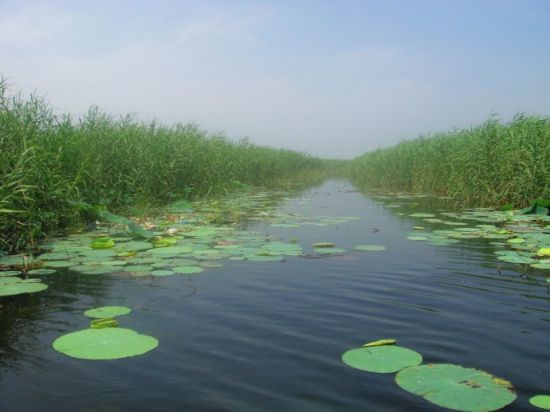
48, 160
493, 164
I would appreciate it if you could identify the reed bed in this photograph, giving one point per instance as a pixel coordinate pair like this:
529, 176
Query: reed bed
490, 165
48, 160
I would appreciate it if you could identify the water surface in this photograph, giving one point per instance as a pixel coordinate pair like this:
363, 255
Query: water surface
268, 336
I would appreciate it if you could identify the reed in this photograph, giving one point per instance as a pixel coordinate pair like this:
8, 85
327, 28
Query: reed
48, 160
490, 165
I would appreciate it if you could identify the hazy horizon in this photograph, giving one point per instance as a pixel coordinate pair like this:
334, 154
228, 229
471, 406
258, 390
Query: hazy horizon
334, 79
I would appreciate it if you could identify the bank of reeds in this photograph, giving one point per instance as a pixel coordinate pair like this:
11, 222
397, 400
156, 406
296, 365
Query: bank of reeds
48, 160
493, 164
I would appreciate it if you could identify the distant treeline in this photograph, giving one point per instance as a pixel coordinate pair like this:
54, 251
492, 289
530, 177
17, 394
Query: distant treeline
49, 160
494, 164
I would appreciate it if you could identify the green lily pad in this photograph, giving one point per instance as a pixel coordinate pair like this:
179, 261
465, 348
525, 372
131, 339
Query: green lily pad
264, 258
165, 241
102, 243
417, 238
107, 312
10, 273
422, 215
41, 272
103, 323
15, 260
171, 251
456, 387
105, 343
510, 258
161, 272
331, 250
381, 359
516, 240
323, 244
370, 248
15, 286
59, 263
187, 270
540, 401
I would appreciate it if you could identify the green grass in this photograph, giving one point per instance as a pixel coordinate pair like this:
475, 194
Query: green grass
493, 164
48, 160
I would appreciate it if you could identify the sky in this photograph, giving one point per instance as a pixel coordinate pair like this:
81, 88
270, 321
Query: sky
331, 78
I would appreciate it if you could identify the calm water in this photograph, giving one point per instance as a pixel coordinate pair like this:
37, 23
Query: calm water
265, 336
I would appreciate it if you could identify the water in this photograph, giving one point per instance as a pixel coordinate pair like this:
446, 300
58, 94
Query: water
268, 336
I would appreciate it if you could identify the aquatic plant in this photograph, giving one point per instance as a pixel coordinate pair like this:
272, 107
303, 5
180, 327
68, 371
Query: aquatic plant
50, 162
494, 164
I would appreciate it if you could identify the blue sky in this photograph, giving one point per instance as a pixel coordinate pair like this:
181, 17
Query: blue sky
332, 78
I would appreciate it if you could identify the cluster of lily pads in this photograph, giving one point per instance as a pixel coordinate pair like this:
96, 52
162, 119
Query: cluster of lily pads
520, 239
521, 236
447, 385
104, 340
187, 239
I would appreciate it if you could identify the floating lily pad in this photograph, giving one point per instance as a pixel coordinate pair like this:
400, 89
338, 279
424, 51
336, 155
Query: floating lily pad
59, 263
41, 272
370, 248
15, 286
103, 323
510, 258
171, 251
264, 258
422, 215
332, 250
103, 344
15, 260
323, 244
381, 359
540, 401
161, 272
102, 243
10, 273
184, 270
456, 387
165, 241
417, 238
107, 312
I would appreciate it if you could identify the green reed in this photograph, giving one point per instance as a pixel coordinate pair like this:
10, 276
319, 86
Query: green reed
48, 160
492, 164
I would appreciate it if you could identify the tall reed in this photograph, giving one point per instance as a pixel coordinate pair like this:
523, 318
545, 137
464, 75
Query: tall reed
492, 164
48, 160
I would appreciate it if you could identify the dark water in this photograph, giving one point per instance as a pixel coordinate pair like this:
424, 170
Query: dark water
268, 336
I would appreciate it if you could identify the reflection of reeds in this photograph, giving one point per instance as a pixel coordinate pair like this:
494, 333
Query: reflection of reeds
492, 164
48, 159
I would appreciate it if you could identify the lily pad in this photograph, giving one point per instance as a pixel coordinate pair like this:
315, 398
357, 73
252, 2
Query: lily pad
41, 272
107, 312
456, 387
381, 359
185, 270
102, 243
162, 272
105, 343
417, 238
370, 248
15, 286
540, 401
324, 244
10, 273
59, 263
331, 250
